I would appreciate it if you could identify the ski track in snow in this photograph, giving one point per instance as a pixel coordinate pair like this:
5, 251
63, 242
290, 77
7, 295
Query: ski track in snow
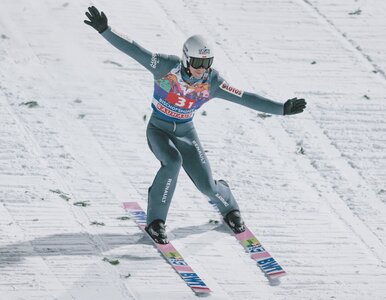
311, 186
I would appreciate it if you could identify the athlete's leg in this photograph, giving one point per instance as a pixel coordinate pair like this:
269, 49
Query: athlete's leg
196, 165
162, 189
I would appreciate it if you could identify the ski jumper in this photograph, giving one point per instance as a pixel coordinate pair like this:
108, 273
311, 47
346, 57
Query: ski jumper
170, 132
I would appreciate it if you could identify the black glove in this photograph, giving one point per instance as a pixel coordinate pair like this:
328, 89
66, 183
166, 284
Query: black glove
294, 106
97, 20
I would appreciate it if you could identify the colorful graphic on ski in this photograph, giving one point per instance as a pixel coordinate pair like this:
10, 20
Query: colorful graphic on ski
262, 257
264, 260
169, 252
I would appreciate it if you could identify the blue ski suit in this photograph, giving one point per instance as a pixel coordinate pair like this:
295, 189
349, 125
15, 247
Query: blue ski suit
170, 132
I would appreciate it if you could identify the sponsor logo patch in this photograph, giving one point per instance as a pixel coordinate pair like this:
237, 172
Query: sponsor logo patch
165, 195
202, 157
222, 199
171, 113
154, 60
230, 89
204, 51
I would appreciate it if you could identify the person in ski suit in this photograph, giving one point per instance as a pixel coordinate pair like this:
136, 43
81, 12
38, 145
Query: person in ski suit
181, 86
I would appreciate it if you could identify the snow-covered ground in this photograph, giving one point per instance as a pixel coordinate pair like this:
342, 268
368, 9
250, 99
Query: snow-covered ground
312, 186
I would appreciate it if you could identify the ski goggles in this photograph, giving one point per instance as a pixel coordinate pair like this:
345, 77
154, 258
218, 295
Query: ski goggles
197, 62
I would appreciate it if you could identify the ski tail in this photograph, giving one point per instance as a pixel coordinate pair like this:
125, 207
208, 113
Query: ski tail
268, 264
263, 258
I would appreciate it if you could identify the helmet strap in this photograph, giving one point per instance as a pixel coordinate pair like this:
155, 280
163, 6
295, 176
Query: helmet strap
186, 69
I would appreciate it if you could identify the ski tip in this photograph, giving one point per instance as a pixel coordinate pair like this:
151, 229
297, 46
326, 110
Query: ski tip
202, 293
274, 279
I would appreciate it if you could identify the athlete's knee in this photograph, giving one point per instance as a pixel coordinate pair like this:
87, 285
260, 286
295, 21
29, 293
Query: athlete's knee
208, 188
217, 187
173, 159
213, 187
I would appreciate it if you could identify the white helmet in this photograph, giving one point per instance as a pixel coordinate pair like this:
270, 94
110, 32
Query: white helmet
197, 52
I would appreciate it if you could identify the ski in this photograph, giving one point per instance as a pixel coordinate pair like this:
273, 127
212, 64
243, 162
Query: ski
270, 267
169, 252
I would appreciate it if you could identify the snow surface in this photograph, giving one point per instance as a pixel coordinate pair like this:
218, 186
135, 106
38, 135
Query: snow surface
312, 186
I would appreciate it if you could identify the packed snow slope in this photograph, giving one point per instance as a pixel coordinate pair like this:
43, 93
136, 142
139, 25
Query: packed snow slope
73, 114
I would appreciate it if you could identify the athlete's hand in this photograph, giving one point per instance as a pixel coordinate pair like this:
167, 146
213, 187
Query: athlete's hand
294, 106
97, 20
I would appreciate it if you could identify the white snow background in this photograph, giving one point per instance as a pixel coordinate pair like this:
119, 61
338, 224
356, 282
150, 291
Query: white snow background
311, 186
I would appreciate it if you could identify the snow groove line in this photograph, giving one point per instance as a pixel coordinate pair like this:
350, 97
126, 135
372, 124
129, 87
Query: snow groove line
338, 205
365, 59
31, 247
357, 226
28, 137
112, 165
23, 134
356, 47
366, 234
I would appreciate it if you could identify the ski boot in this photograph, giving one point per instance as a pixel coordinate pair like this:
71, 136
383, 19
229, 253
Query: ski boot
156, 230
235, 221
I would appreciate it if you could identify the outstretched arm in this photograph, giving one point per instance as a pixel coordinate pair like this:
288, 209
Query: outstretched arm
221, 89
158, 64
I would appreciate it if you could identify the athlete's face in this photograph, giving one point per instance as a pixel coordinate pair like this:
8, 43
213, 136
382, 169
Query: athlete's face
197, 73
